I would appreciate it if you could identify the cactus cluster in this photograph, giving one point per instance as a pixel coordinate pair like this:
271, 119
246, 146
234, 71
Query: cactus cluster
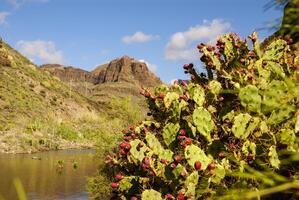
204, 133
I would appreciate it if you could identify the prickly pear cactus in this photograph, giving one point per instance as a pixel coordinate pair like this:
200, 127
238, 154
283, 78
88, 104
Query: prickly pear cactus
217, 131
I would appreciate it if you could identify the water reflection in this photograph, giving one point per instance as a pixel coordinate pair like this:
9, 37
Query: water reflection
40, 177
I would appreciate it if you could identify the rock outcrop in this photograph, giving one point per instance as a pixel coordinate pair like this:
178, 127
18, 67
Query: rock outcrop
67, 74
124, 69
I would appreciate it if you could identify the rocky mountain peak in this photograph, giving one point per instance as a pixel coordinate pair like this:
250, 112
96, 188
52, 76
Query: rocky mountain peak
126, 69
123, 69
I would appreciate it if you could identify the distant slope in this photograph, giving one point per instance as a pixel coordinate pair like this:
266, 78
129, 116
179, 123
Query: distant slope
27, 91
31, 101
73, 109
121, 78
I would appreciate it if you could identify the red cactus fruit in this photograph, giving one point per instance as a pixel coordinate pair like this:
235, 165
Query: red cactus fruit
178, 158
119, 176
114, 185
197, 165
169, 196
211, 166
182, 132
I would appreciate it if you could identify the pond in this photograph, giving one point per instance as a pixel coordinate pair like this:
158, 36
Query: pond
47, 175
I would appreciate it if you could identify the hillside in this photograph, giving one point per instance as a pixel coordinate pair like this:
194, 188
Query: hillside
30, 98
121, 78
39, 111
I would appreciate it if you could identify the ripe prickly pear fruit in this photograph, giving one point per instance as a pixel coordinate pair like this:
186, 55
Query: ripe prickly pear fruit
119, 176
200, 46
182, 132
122, 152
161, 95
211, 166
147, 161
128, 146
169, 196
178, 158
186, 66
188, 141
123, 145
163, 161
173, 165
134, 198
250, 157
114, 185
151, 173
197, 165
181, 137
181, 196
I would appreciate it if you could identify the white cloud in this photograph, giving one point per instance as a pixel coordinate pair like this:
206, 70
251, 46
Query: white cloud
150, 66
182, 44
3, 16
139, 37
39, 49
18, 3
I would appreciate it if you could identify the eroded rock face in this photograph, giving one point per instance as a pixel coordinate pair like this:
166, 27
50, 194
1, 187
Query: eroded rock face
124, 69
67, 74
128, 70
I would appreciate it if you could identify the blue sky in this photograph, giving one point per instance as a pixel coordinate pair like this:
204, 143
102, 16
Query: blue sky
163, 33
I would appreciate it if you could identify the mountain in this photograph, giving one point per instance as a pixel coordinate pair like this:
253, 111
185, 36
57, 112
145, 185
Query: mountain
72, 109
126, 69
121, 78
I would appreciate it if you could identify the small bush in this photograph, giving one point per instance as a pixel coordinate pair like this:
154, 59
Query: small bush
67, 132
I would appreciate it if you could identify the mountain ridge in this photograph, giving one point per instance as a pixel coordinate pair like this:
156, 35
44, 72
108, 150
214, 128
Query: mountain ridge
39, 111
121, 69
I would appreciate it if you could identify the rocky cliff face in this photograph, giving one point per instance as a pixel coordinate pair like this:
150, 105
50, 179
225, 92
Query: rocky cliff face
67, 74
124, 69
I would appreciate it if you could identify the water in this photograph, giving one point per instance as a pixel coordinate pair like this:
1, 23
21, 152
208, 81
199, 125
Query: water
41, 177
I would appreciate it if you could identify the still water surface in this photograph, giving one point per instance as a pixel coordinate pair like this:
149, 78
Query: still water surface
43, 179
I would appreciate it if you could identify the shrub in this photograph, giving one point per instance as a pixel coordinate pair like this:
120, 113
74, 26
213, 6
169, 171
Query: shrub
229, 133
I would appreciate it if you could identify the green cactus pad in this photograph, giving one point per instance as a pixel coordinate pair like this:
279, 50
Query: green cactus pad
126, 183
151, 195
137, 155
202, 119
215, 87
157, 148
197, 93
218, 174
250, 98
170, 133
273, 157
274, 96
275, 68
191, 183
169, 98
229, 51
256, 45
249, 147
178, 170
280, 115
214, 58
244, 125
275, 50
287, 137
193, 153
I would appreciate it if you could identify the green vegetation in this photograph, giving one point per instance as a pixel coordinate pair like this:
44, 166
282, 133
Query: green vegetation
232, 134
39, 112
